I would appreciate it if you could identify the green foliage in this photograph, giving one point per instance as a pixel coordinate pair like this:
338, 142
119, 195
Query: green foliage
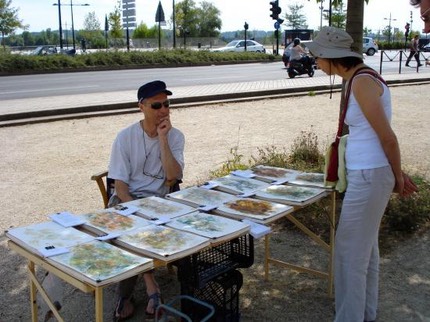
305, 153
234, 163
114, 22
295, 19
197, 21
9, 20
138, 59
409, 214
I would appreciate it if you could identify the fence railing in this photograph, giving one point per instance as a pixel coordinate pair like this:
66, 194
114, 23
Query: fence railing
399, 57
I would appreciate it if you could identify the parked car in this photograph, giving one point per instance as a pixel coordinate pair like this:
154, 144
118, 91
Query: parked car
370, 47
426, 48
239, 46
44, 50
52, 50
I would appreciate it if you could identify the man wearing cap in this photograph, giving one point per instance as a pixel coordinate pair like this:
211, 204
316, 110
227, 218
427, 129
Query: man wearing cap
373, 166
147, 157
425, 12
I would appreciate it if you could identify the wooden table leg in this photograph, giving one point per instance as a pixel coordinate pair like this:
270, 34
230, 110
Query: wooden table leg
33, 294
266, 256
332, 223
98, 294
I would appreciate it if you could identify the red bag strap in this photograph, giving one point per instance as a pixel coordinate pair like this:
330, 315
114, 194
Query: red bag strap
362, 70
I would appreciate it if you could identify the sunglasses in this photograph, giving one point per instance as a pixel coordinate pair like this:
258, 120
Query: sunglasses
158, 105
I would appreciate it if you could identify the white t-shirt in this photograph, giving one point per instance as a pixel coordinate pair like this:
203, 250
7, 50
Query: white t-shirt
363, 148
296, 53
129, 160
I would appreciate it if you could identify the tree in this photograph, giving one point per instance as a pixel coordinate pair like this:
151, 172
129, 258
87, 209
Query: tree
203, 21
186, 17
9, 20
338, 17
142, 31
295, 19
116, 30
92, 31
209, 21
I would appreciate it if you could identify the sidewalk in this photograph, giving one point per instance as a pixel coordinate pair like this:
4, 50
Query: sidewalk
23, 111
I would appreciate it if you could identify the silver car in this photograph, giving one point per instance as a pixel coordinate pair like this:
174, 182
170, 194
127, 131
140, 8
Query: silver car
370, 47
239, 46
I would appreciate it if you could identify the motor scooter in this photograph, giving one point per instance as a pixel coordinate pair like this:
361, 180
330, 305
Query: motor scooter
297, 67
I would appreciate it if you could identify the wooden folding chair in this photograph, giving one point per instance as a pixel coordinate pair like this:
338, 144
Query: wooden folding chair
107, 185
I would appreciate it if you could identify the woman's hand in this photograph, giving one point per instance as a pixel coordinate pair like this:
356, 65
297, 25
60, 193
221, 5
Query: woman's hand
405, 186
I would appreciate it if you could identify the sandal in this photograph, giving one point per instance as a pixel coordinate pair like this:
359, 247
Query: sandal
118, 313
156, 301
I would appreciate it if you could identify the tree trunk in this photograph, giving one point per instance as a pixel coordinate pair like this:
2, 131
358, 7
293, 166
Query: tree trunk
354, 26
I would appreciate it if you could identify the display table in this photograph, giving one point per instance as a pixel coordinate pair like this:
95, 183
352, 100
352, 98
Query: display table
329, 247
225, 260
208, 265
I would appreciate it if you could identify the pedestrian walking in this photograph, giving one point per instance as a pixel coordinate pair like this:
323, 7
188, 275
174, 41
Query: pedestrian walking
414, 51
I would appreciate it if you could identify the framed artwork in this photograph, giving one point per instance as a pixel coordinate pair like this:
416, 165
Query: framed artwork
210, 226
107, 222
293, 195
155, 207
47, 235
200, 197
237, 185
260, 211
162, 242
309, 180
100, 263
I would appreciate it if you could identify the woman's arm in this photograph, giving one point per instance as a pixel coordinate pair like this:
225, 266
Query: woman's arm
368, 91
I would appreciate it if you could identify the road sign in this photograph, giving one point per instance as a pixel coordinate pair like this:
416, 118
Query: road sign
277, 25
159, 15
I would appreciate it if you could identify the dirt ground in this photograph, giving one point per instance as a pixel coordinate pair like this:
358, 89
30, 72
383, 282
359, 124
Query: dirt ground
47, 168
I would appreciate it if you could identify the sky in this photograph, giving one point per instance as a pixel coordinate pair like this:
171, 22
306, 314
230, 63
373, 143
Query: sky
41, 14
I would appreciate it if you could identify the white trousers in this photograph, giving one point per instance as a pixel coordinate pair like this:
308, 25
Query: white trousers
356, 266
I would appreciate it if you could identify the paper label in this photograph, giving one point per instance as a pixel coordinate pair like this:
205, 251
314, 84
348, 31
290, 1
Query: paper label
209, 185
161, 220
108, 236
243, 173
125, 210
67, 219
49, 251
257, 230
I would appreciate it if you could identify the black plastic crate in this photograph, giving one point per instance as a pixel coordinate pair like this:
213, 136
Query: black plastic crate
222, 292
198, 269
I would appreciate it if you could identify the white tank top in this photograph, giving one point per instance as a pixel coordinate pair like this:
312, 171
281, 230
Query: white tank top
364, 149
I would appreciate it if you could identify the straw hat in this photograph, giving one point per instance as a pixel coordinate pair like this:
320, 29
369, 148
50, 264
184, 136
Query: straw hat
332, 42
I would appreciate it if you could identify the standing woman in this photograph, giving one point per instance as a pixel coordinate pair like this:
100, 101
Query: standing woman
373, 172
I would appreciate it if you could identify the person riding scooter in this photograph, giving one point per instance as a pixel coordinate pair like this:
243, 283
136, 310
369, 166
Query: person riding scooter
300, 62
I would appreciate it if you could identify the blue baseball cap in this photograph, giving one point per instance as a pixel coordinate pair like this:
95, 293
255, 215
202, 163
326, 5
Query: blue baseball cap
151, 89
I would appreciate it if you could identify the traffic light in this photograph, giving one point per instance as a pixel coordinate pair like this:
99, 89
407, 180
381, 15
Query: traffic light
407, 26
276, 10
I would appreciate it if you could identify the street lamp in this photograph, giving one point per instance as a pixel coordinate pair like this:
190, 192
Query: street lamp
321, 12
389, 27
71, 12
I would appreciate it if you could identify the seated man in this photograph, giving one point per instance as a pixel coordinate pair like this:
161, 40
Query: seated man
146, 158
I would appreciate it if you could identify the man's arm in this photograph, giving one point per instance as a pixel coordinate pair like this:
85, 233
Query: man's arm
122, 191
172, 169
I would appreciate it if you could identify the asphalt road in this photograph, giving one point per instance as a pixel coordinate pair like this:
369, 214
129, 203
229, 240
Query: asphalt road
76, 83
